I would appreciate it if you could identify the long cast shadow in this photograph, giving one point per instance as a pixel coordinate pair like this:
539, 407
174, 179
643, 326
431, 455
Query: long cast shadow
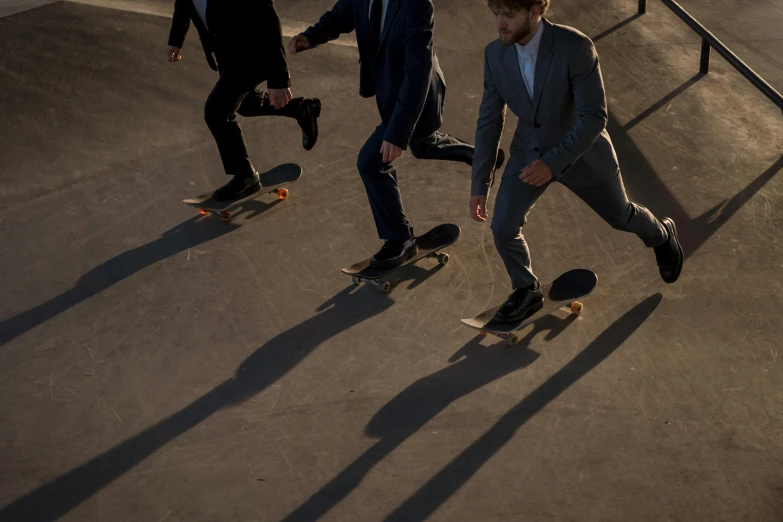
261, 369
456, 474
422, 401
616, 27
189, 234
646, 187
661, 103
706, 224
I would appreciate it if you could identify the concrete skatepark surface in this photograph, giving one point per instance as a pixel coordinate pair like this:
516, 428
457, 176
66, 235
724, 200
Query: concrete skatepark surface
159, 365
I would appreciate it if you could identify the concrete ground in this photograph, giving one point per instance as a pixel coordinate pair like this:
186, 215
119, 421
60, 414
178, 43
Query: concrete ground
156, 365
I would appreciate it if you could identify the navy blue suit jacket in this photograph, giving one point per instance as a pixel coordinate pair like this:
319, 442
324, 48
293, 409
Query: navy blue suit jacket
402, 73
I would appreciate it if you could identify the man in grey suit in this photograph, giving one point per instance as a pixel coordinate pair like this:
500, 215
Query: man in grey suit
549, 76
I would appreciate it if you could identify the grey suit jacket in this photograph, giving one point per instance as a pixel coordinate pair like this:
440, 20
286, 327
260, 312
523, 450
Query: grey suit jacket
564, 124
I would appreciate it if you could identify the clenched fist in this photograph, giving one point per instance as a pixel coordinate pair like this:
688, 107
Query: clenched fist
173, 53
298, 43
478, 208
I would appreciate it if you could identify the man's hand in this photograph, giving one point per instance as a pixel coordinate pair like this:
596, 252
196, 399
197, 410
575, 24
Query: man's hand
173, 53
537, 173
478, 208
279, 97
298, 43
390, 152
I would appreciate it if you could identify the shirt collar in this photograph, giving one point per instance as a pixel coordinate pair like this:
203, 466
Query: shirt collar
531, 49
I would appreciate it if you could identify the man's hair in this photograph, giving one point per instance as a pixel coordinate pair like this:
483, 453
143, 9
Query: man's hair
517, 5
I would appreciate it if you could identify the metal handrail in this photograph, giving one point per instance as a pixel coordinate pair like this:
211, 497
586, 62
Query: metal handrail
710, 41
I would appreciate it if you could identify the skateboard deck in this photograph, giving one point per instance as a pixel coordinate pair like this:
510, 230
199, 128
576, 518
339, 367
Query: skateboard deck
562, 292
271, 181
429, 245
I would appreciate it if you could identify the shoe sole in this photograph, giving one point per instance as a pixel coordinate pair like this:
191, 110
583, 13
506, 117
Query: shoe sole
249, 192
673, 230
317, 115
535, 309
241, 195
413, 252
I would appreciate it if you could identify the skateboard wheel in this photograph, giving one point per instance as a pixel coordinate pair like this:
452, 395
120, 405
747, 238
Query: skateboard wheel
483, 332
384, 286
202, 212
354, 280
512, 339
282, 194
577, 307
225, 215
443, 259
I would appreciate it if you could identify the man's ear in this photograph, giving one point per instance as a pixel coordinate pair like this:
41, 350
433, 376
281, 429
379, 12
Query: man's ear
535, 11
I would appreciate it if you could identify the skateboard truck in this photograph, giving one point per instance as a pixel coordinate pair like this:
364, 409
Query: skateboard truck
382, 286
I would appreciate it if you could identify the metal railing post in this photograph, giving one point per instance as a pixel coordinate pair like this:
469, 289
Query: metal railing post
704, 68
709, 42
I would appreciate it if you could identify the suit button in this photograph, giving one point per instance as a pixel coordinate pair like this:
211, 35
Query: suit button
537, 126
537, 149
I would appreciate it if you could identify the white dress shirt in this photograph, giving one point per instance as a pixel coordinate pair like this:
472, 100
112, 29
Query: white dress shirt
527, 54
201, 9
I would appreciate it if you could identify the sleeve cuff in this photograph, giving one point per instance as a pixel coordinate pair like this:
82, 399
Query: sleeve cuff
559, 166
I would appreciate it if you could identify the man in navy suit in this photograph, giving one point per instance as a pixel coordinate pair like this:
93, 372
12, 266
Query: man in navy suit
399, 67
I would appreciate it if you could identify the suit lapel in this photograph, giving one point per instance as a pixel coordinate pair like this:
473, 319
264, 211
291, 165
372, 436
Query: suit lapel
543, 61
391, 13
364, 19
512, 63
208, 13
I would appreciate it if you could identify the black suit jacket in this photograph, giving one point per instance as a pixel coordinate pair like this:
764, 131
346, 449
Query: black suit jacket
244, 35
403, 72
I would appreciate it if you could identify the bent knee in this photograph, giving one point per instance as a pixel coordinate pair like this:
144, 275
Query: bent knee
366, 164
620, 220
213, 116
504, 230
369, 161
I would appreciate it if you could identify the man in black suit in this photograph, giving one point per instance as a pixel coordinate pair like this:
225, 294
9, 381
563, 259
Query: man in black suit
399, 67
243, 41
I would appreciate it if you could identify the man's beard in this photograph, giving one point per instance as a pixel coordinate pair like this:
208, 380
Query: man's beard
522, 32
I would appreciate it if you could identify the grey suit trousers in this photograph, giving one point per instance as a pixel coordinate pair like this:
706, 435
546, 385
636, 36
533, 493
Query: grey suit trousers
608, 199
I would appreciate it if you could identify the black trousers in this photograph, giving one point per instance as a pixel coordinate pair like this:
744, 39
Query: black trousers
380, 178
237, 92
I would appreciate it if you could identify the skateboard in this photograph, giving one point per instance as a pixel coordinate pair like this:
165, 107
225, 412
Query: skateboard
271, 181
562, 292
429, 245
